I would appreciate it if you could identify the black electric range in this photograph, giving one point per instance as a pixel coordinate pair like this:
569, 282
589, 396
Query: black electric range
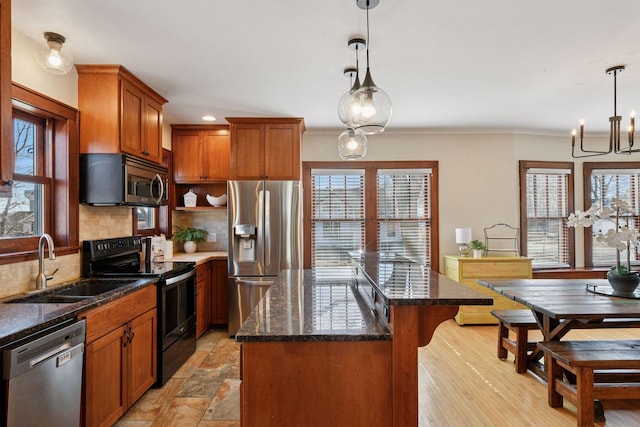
176, 294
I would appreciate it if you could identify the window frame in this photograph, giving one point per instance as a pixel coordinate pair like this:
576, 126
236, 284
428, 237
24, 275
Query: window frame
525, 165
371, 216
587, 170
62, 149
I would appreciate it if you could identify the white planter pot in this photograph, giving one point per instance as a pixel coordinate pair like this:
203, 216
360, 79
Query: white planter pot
477, 253
190, 247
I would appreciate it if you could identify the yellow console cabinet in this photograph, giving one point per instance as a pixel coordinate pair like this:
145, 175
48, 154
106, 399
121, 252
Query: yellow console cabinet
467, 270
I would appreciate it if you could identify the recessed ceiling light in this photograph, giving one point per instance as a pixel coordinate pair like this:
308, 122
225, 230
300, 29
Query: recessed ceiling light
209, 118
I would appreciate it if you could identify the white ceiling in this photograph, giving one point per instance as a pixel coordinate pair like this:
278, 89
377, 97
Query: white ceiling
470, 64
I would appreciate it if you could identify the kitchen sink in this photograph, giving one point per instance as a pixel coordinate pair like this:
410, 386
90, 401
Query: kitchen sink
74, 292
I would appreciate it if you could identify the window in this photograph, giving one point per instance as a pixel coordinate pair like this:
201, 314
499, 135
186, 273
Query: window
403, 212
604, 181
381, 206
22, 207
546, 200
44, 197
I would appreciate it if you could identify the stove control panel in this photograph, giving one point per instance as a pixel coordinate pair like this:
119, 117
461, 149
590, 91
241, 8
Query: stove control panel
96, 249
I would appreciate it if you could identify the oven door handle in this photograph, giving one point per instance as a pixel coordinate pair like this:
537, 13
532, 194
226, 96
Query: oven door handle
172, 280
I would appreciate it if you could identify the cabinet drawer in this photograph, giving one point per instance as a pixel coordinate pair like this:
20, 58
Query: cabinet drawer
496, 269
105, 318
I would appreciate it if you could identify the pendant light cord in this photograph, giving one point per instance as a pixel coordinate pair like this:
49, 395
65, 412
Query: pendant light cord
368, 36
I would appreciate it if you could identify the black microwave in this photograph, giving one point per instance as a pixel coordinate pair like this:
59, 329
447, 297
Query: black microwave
120, 179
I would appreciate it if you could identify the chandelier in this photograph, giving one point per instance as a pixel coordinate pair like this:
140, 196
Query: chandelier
614, 129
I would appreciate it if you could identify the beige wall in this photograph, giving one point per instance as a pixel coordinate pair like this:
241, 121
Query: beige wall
479, 182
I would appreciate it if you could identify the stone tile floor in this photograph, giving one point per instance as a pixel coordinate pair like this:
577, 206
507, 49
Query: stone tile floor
205, 392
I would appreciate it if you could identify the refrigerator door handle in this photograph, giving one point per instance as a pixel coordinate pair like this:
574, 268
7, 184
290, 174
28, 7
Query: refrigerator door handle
260, 232
267, 227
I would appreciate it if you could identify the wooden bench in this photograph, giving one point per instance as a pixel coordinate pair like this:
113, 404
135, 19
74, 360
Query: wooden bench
570, 373
520, 322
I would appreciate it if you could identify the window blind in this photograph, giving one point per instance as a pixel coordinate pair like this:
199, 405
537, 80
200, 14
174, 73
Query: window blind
607, 184
404, 212
547, 202
337, 215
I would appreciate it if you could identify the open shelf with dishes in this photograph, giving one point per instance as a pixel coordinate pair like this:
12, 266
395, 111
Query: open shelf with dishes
201, 190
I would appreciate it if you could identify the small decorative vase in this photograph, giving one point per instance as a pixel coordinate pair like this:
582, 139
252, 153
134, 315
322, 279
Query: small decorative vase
190, 247
477, 253
623, 283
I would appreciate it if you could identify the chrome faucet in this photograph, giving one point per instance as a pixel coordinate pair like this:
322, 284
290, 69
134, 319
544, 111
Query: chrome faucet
41, 280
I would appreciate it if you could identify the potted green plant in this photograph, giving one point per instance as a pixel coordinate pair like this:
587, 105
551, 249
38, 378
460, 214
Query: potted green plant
189, 236
478, 248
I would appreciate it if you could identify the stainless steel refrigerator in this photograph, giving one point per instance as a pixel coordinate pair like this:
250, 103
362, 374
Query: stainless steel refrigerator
265, 236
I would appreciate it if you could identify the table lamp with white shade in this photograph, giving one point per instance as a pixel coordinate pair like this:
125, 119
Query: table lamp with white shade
463, 237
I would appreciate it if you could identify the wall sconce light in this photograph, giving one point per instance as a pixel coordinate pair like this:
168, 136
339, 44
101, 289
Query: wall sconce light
51, 60
463, 237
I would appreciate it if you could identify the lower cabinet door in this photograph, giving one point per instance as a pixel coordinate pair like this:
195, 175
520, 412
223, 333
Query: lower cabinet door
105, 400
141, 355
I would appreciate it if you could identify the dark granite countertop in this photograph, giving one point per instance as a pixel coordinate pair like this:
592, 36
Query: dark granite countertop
401, 281
314, 305
338, 304
21, 319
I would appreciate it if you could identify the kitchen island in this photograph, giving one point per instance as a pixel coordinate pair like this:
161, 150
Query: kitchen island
339, 346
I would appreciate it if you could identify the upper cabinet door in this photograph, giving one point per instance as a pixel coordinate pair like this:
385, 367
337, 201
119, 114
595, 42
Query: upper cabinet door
247, 151
151, 148
185, 145
216, 152
282, 151
132, 120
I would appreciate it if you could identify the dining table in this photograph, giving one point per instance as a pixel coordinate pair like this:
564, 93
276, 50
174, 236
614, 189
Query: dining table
560, 305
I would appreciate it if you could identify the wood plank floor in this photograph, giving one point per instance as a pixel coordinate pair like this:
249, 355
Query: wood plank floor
461, 383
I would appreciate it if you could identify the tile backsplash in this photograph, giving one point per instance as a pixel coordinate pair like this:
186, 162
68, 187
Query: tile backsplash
212, 221
100, 222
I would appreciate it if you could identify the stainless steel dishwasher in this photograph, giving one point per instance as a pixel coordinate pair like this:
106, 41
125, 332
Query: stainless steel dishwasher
43, 376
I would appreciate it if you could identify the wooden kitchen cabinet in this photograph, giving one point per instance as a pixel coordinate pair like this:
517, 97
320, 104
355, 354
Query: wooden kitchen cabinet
201, 153
467, 270
266, 148
219, 293
120, 355
203, 298
118, 113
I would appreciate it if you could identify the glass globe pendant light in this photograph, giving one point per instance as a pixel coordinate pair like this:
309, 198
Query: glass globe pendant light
352, 144
369, 107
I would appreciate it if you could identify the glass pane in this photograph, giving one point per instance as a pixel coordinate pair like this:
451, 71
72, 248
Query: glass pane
606, 185
406, 238
25, 134
21, 213
146, 217
333, 240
